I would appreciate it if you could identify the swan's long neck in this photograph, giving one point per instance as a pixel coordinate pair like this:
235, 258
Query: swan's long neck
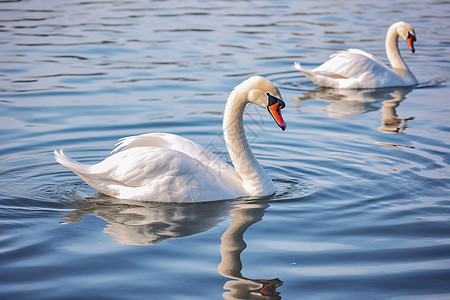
394, 57
256, 181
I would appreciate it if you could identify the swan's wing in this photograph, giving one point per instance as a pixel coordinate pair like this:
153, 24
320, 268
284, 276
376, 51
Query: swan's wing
174, 142
161, 174
325, 78
139, 166
352, 63
352, 69
364, 53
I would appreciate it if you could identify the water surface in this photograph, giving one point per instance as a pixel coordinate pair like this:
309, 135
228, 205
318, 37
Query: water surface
362, 207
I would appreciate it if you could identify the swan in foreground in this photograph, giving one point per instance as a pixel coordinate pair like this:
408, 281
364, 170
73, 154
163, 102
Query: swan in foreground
354, 68
169, 168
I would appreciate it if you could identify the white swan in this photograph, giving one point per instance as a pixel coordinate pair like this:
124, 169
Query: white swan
169, 168
355, 68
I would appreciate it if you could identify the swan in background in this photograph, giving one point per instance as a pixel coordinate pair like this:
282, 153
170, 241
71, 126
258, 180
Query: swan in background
354, 68
168, 168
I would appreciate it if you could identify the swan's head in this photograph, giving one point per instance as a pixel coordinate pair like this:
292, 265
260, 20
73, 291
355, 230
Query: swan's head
407, 32
265, 94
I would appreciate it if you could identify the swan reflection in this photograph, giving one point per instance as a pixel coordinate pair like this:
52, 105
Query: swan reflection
149, 223
135, 223
231, 247
345, 103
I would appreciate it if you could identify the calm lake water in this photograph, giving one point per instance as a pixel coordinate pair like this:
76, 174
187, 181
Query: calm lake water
362, 209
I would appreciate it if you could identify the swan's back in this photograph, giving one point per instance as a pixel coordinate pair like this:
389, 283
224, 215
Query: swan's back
353, 68
174, 142
150, 168
352, 63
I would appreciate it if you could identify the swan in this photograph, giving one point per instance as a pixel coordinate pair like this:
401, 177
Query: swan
165, 167
354, 68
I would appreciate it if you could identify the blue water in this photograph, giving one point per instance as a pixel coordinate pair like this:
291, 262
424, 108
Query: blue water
362, 209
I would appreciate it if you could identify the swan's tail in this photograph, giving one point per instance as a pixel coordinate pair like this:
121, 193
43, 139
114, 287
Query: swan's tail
320, 78
95, 179
71, 164
310, 74
307, 72
298, 66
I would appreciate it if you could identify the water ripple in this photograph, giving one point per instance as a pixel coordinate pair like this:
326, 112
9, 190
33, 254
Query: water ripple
362, 176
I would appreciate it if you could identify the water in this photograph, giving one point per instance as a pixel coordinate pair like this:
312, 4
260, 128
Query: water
362, 208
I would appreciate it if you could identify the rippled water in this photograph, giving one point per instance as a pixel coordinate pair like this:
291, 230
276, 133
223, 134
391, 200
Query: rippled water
362, 208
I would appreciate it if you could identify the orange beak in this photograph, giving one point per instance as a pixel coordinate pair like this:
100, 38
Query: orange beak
410, 40
275, 111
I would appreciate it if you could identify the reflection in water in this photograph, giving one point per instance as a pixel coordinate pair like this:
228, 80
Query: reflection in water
231, 247
346, 103
147, 223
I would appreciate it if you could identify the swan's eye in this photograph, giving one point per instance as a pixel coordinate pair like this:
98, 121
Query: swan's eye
274, 107
274, 100
411, 36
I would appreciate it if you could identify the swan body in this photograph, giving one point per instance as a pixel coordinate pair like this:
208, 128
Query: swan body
355, 69
169, 168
